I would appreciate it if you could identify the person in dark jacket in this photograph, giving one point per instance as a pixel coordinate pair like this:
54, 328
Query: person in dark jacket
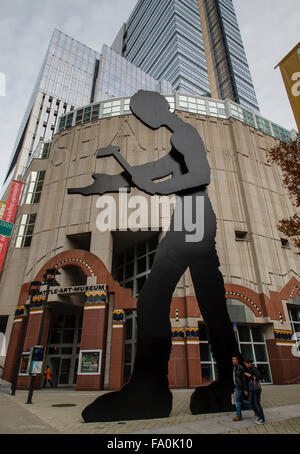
254, 390
240, 386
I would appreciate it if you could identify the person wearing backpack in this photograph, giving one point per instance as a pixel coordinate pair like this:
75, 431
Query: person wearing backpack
255, 390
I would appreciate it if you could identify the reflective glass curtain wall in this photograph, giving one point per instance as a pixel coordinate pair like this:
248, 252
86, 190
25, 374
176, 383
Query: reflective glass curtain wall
118, 77
68, 73
231, 66
66, 80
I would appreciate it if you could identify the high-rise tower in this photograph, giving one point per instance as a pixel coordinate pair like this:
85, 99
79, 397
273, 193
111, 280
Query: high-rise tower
65, 81
164, 38
194, 44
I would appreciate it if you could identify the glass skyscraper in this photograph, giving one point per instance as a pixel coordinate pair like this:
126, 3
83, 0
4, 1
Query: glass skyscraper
163, 37
73, 75
66, 81
194, 44
186, 46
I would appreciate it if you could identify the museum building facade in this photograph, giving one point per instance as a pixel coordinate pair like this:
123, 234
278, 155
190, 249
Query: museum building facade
90, 324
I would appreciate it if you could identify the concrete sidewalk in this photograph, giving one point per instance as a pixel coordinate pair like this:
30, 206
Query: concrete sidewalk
14, 419
281, 405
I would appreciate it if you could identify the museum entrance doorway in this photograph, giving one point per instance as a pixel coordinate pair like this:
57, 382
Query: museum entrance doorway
64, 343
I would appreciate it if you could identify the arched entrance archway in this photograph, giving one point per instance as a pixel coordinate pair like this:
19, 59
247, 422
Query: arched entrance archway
88, 291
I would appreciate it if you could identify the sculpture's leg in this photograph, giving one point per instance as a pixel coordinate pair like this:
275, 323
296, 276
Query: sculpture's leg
210, 292
147, 394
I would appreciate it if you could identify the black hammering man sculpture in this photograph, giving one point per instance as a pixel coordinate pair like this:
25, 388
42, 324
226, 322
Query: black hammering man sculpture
147, 394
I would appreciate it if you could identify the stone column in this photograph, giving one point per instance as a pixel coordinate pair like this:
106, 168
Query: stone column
193, 357
178, 377
93, 337
117, 350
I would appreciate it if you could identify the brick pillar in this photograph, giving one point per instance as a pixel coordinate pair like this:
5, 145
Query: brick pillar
93, 337
285, 368
117, 350
14, 344
33, 328
178, 374
193, 357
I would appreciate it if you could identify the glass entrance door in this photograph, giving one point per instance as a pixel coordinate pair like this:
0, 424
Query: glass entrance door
63, 348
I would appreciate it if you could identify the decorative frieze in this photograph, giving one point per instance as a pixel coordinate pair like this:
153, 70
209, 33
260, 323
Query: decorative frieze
118, 317
63, 262
283, 335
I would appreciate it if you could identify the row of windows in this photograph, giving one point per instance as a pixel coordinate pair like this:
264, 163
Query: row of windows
49, 110
202, 106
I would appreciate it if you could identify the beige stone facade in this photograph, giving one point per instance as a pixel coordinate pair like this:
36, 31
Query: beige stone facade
247, 195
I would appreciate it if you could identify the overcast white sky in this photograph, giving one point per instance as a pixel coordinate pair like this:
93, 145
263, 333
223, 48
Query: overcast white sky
270, 28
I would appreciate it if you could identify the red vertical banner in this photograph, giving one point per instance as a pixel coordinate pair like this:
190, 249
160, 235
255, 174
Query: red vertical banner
9, 214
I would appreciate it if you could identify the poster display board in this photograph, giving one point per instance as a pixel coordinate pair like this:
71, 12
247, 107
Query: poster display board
24, 365
90, 362
36, 360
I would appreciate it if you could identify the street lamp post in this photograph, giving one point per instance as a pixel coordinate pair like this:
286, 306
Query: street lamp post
33, 291
50, 281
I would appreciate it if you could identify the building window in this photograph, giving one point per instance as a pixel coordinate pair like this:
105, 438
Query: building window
285, 243
25, 230
208, 365
49, 103
53, 123
252, 345
45, 150
3, 323
241, 236
43, 132
294, 313
130, 343
133, 266
34, 187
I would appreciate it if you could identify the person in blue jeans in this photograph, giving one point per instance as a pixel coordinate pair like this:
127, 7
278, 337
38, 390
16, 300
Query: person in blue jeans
254, 390
240, 387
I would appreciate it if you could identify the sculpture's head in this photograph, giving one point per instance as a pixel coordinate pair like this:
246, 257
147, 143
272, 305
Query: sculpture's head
151, 108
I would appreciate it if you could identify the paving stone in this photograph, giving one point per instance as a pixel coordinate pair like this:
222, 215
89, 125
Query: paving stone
281, 405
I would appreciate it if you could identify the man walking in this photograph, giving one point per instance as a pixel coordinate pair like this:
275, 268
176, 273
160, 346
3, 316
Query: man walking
240, 386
